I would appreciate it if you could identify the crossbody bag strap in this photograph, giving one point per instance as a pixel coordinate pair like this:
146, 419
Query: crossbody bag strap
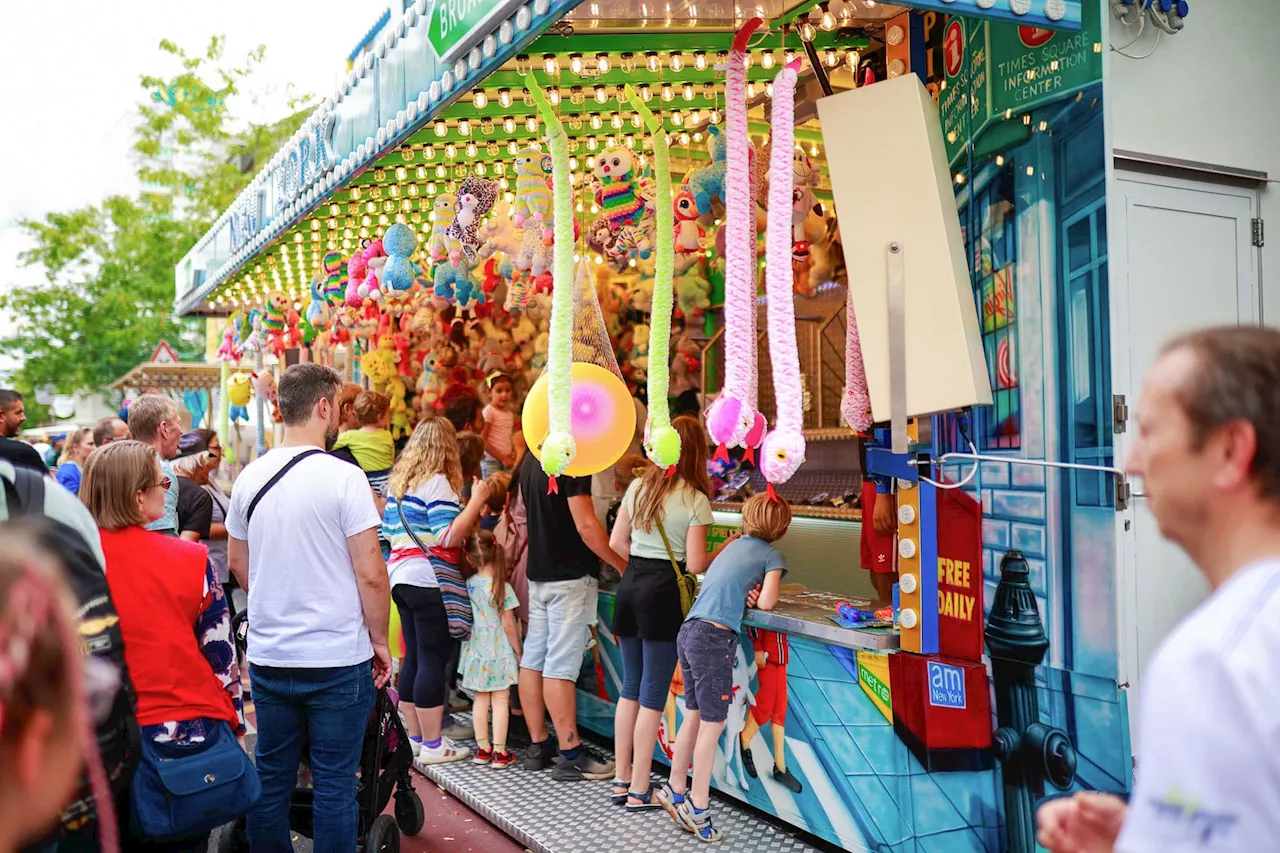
408, 529
253, 504
666, 543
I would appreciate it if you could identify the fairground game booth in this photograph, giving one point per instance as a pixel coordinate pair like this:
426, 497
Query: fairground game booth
867, 242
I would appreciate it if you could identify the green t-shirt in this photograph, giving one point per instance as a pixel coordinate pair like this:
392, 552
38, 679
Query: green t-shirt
375, 450
684, 507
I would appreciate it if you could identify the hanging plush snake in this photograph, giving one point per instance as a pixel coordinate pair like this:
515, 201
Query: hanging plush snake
661, 441
559, 448
783, 451
856, 404
732, 419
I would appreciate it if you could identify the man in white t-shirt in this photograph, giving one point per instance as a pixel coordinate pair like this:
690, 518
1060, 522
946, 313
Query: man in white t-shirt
1208, 452
304, 543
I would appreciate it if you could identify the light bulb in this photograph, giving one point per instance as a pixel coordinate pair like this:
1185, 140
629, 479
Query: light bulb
596, 122
401, 173
592, 144
504, 97
751, 90
768, 89
464, 127
431, 188
828, 20
602, 63
766, 59
553, 95
481, 100
636, 121
746, 60
667, 92
790, 56
700, 60
616, 121
631, 141
549, 64
714, 118
486, 127
442, 129
677, 60
509, 124
513, 147
833, 58
806, 31
684, 139
502, 182
575, 63
677, 117
688, 91
450, 151
440, 171
531, 124
651, 60
628, 62
646, 94
854, 59
601, 94
471, 149
421, 173
429, 152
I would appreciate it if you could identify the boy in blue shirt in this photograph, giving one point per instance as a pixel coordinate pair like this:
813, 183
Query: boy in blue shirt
748, 572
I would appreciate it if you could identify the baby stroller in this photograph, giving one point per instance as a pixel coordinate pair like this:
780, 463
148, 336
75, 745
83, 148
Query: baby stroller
384, 768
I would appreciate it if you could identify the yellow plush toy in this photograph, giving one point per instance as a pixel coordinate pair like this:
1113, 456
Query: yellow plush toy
380, 364
399, 409
239, 391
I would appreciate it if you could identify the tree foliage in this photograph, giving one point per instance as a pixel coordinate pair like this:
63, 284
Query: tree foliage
108, 289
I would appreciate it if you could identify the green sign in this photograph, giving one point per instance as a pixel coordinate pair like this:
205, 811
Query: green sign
998, 72
458, 25
717, 533
875, 685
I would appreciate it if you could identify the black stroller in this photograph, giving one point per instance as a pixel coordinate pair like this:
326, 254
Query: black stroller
384, 768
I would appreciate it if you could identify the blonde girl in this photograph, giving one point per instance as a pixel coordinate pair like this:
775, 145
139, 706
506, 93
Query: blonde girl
490, 658
426, 524
74, 455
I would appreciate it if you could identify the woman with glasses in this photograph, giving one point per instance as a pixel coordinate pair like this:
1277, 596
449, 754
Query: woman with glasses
173, 614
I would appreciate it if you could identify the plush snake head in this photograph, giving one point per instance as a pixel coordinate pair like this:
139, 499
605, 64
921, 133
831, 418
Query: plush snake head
558, 450
662, 446
725, 422
782, 455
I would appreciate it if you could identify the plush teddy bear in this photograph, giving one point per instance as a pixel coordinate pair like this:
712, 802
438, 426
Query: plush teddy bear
533, 191
441, 245
399, 242
689, 233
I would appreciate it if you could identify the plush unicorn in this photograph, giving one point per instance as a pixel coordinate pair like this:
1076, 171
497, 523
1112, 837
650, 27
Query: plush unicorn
707, 183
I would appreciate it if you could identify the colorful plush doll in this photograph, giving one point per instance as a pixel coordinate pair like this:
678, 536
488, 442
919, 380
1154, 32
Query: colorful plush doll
357, 270
689, 234
375, 257
273, 321
784, 447
239, 392
708, 182
533, 192
619, 191
229, 350
475, 198
334, 288
661, 441
399, 242
559, 448
440, 247
732, 417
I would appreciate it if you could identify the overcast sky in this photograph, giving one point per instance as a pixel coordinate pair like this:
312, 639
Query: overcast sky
70, 88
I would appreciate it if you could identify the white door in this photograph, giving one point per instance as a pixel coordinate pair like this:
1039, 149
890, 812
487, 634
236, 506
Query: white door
1182, 258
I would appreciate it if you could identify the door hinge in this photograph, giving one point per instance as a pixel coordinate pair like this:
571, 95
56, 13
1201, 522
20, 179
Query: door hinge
1258, 232
1119, 413
1123, 493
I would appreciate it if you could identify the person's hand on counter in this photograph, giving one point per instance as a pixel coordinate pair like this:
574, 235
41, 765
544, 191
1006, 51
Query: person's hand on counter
884, 518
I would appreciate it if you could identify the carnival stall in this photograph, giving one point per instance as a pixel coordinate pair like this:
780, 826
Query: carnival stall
686, 207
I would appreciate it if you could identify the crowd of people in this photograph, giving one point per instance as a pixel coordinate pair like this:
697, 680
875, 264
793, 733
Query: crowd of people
495, 579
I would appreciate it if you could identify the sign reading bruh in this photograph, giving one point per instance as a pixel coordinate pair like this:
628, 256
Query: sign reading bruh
946, 686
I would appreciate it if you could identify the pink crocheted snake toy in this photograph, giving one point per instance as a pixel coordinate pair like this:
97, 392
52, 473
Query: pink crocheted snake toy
732, 419
856, 404
784, 447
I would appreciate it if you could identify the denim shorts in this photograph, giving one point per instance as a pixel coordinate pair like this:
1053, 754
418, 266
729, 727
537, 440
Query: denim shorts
706, 665
559, 615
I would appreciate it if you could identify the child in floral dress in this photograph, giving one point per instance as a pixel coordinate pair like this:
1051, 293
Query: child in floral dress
490, 658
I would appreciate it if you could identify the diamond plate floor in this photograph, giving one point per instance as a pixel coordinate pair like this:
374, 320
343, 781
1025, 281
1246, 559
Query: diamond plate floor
578, 817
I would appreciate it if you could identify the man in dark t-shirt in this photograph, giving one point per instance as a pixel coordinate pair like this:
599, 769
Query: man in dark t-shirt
566, 544
21, 455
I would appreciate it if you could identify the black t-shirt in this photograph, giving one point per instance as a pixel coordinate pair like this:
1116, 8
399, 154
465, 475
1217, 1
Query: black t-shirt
195, 508
22, 455
556, 551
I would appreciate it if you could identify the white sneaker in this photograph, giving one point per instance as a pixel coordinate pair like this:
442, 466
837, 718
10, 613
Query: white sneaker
416, 746
447, 752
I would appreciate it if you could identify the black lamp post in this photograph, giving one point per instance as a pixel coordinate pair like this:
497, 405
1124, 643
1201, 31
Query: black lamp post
1030, 751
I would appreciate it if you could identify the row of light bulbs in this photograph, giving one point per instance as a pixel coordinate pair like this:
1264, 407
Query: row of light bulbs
655, 62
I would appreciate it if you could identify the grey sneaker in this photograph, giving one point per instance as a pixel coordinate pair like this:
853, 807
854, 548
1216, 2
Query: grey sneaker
538, 756
585, 766
459, 731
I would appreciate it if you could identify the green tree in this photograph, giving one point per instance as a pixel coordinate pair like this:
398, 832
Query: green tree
107, 297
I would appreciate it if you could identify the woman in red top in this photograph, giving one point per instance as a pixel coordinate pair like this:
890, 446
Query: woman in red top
173, 615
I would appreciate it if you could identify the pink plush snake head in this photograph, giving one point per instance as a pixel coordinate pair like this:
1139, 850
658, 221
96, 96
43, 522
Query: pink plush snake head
782, 455
724, 420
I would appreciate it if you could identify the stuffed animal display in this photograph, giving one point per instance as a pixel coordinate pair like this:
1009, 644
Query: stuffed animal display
475, 198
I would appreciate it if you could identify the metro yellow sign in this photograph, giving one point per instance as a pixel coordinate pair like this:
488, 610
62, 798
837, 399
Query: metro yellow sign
873, 678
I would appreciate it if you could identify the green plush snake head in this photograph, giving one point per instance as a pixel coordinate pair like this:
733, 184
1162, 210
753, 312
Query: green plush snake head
558, 450
662, 446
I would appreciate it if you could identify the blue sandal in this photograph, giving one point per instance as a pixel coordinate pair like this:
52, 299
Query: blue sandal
619, 799
646, 803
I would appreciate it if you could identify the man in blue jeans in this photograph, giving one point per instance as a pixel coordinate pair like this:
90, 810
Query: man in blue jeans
319, 603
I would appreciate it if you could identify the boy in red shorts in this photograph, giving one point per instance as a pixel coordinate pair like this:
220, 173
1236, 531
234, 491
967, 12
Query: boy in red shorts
772, 654
879, 532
